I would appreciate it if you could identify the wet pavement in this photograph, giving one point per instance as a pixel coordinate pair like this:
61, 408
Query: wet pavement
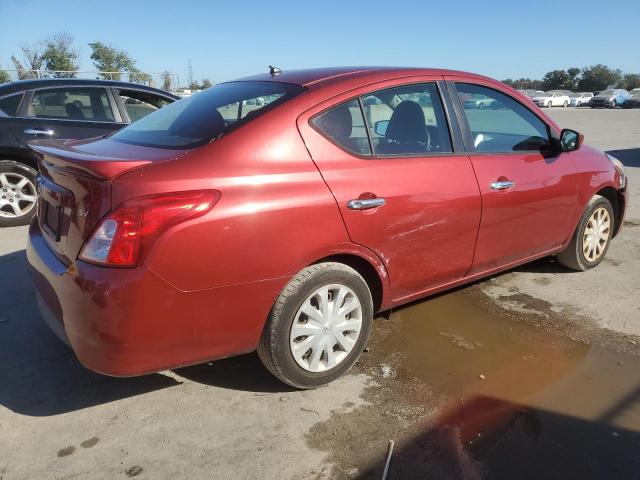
470, 387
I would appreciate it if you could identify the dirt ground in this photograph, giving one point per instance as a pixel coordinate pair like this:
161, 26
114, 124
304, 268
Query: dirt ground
529, 374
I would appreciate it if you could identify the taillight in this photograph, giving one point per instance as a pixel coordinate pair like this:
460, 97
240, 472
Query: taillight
124, 236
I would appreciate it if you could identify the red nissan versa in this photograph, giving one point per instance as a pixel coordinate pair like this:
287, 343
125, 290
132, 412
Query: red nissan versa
282, 211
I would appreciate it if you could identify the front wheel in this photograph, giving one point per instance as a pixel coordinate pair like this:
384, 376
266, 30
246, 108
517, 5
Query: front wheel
591, 239
18, 196
565, 104
318, 326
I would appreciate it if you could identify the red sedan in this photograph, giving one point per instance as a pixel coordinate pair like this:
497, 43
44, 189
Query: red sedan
280, 212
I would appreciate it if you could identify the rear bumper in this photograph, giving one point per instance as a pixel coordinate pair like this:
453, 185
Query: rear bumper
127, 322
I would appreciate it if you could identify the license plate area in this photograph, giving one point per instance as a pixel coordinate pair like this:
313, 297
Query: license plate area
52, 220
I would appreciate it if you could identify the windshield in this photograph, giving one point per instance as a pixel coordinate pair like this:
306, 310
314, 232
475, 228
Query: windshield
207, 115
606, 93
635, 93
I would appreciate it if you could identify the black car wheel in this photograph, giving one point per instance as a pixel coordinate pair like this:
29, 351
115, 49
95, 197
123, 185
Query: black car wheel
18, 196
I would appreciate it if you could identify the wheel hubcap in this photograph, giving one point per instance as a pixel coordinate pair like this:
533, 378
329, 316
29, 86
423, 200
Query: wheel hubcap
596, 234
17, 195
326, 328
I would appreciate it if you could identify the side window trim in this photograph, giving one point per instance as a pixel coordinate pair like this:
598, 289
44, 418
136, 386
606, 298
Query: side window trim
464, 124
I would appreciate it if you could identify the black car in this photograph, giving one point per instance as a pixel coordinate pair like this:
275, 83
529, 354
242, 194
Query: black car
59, 108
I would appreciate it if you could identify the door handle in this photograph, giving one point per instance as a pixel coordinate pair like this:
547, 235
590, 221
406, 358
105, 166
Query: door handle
365, 203
38, 131
503, 185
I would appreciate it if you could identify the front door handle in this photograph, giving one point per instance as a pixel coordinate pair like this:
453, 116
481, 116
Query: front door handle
38, 131
365, 203
503, 185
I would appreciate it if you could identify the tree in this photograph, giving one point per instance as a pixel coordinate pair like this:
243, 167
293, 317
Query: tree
167, 81
32, 58
574, 74
137, 76
556, 79
59, 54
631, 81
110, 61
4, 76
206, 83
598, 77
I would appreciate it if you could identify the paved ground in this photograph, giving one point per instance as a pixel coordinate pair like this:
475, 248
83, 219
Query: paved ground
531, 374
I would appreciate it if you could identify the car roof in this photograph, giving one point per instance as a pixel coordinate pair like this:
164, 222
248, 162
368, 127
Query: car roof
22, 85
318, 76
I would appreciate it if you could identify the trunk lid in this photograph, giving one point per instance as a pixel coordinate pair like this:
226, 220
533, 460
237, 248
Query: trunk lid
74, 186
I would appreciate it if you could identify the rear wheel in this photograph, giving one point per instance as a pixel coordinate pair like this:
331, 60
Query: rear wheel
565, 104
318, 326
18, 196
591, 239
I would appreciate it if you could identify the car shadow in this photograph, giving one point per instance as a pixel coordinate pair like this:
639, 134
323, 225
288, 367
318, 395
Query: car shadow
630, 157
244, 372
39, 375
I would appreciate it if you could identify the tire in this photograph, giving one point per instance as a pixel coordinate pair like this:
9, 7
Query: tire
565, 104
17, 184
277, 343
574, 256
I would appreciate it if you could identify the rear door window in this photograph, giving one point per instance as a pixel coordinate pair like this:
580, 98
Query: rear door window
407, 120
344, 125
508, 126
205, 116
9, 105
81, 103
139, 104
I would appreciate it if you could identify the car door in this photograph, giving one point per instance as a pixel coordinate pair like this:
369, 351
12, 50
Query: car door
529, 190
75, 112
404, 188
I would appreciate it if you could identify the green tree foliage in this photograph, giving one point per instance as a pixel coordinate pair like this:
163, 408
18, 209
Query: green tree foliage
111, 61
598, 77
205, 83
555, 80
631, 81
574, 76
59, 54
137, 76
524, 83
4, 76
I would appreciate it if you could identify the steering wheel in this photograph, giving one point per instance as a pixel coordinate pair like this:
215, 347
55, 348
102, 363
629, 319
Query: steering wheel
428, 142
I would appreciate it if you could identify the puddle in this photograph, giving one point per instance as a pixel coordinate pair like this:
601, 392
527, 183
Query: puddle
470, 389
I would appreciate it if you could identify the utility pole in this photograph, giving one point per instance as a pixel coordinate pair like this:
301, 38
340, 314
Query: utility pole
190, 74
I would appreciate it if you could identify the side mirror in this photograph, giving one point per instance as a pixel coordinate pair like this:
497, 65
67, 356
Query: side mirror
381, 127
570, 140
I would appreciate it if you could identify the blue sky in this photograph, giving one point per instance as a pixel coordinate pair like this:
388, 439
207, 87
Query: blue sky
230, 39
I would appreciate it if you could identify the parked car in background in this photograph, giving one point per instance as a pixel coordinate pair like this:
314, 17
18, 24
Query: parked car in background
528, 92
59, 108
580, 99
634, 99
201, 232
553, 98
609, 98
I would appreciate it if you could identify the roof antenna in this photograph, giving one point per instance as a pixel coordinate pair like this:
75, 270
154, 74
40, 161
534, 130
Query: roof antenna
273, 71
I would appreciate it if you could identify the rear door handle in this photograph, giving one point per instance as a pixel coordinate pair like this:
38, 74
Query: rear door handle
38, 131
365, 203
503, 185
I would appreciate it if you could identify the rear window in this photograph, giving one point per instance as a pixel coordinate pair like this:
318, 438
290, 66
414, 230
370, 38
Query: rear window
205, 116
9, 105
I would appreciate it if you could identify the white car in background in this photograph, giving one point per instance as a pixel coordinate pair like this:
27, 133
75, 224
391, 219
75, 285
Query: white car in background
552, 98
579, 99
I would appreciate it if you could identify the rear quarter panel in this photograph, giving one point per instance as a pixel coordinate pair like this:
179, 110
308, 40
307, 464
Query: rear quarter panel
275, 215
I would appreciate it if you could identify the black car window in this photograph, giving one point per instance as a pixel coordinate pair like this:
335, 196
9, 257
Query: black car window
79, 103
344, 124
502, 126
203, 117
9, 105
140, 104
407, 120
